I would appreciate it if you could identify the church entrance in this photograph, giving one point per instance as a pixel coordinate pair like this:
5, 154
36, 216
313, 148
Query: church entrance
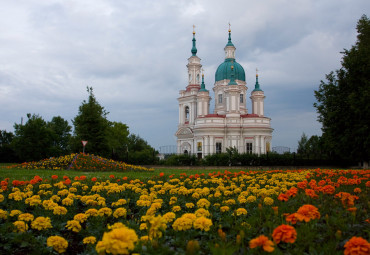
199, 155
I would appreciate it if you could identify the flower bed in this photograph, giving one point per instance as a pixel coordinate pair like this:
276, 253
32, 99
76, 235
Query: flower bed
85, 162
297, 212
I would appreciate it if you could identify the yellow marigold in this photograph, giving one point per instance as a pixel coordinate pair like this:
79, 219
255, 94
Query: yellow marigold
251, 199
117, 241
41, 223
230, 202
91, 212
203, 203
80, 217
67, 201
157, 225
192, 247
89, 240
59, 210
73, 225
284, 233
20, 226
26, 217
224, 208
58, 243
268, 201
120, 212
202, 212
14, 213
105, 211
240, 211
202, 223
116, 225
307, 213
189, 205
262, 241
1, 198
357, 246
169, 217
185, 222
176, 208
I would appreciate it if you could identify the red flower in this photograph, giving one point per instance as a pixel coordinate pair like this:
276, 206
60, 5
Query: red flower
54, 177
94, 179
262, 241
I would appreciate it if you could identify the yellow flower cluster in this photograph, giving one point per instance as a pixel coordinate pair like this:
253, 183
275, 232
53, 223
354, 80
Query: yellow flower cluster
118, 241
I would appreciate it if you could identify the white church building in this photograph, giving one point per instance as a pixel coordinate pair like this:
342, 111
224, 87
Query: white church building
230, 125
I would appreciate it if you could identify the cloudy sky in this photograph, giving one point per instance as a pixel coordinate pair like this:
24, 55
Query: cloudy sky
134, 55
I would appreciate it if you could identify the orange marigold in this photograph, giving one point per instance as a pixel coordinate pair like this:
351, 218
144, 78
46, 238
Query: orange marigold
262, 241
307, 213
357, 246
311, 193
291, 218
328, 189
284, 233
283, 197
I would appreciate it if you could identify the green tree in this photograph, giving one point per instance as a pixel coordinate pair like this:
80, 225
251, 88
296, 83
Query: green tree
32, 140
117, 135
7, 154
91, 125
302, 145
343, 102
139, 151
61, 135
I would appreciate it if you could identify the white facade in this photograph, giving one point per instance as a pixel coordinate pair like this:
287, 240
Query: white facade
230, 125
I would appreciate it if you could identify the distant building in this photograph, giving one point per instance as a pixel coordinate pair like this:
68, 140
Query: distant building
230, 125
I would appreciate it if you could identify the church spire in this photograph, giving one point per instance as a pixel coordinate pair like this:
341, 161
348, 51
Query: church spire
194, 49
257, 86
203, 86
229, 43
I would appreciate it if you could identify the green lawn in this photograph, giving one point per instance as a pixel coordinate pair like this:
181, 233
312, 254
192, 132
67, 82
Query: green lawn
27, 174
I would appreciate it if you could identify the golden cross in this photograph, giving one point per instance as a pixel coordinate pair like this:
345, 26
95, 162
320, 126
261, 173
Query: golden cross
229, 27
256, 71
193, 29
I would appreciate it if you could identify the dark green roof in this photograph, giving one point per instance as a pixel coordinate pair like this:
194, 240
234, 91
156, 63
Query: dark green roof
224, 70
194, 48
257, 85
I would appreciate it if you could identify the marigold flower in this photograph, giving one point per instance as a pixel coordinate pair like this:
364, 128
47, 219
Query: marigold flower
262, 241
176, 208
357, 246
307, 213
117, 241
80, 217
25, 217
357, 190
14, 213
203, 223
73, 225
284, 233
169, 217
328, 189
240, 211
41, 223
202, 212
58, 243
224, 208
203, 203
120, 212
20, 226
268, 201
283, 197
291, 218
89, 240
192, 247
3, 214
311, 193
251, 199
59, 210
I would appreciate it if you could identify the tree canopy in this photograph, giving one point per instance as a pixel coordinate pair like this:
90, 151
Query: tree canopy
343, 101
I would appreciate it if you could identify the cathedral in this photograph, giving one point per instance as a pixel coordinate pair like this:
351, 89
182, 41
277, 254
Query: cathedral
230, 125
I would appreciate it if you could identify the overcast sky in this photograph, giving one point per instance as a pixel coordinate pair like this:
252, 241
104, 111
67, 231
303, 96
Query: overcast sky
134, 55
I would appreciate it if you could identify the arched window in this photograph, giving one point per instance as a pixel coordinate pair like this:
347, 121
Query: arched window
186, 152
241, 98
198, 77
186, 113
220, 98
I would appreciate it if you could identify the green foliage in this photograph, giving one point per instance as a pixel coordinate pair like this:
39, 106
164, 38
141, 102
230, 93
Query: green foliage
61, 134
7, 154
91, 125
32, 140
117, 134
343, 102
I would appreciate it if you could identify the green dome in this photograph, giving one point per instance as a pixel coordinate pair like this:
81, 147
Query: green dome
224, 70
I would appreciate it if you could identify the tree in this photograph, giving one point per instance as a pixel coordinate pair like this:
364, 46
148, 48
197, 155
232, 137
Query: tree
7, 154
139, 151
91, 125
61, 135
302, 145
343, 102
117, 135
32, 140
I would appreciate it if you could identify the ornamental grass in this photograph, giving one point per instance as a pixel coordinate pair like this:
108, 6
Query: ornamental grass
296, 212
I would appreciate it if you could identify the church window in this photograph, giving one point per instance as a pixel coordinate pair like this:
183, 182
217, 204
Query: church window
187, 112
199, 146
241, 98
249, 148
268, 147
218, 148
189, 77
220, 98
198, 77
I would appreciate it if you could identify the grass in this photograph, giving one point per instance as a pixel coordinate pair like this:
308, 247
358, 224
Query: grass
27, 174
